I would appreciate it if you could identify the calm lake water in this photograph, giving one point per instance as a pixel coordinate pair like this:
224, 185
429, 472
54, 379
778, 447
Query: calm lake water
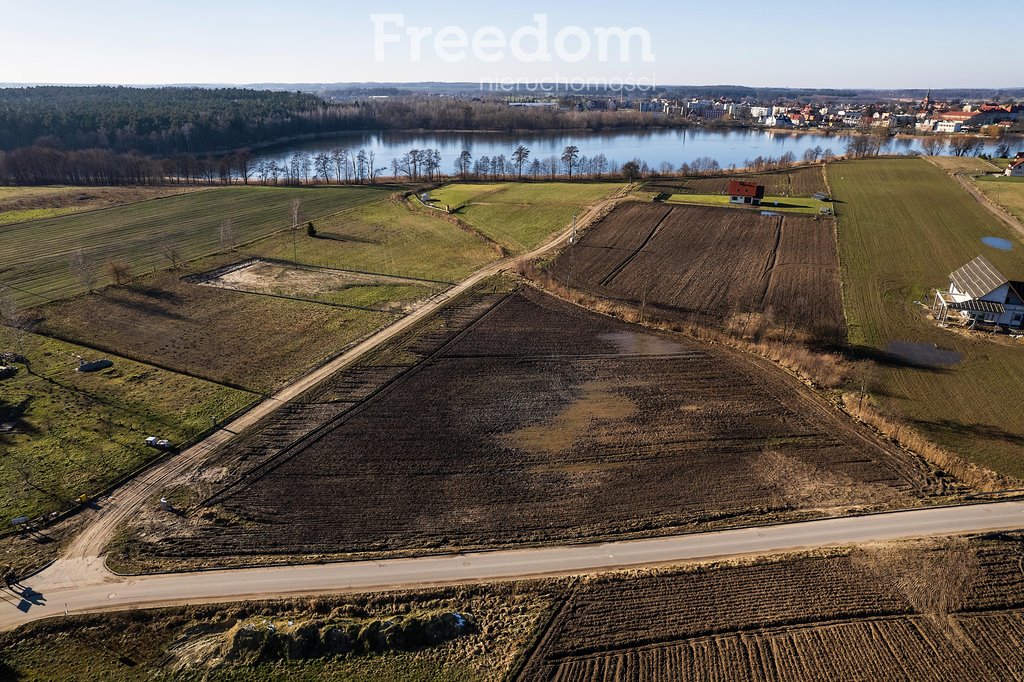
729, 146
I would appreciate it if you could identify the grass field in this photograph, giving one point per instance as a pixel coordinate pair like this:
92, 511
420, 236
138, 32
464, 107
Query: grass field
1007, 192
968, 164
769, 203
519, 216
36, 259
387, 237
76, 432
256, 342
904, 225
18, 204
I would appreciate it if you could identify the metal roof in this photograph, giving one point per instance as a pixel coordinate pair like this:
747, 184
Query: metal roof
977, 278
976, 306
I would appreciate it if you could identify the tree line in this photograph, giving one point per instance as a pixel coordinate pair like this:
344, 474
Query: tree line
169, 121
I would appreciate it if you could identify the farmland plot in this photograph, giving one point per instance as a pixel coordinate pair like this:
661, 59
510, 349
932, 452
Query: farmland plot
798, 182
709, 265
951, 610
54, 258
233, 338
535, 421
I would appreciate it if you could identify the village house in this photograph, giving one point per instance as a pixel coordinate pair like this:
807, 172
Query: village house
1016, 168
980, 294
745, 193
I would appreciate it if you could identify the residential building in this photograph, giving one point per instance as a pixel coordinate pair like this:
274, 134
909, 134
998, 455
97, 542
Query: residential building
749, 193
980, 294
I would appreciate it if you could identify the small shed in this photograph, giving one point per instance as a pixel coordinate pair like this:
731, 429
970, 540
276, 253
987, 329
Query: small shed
749, 193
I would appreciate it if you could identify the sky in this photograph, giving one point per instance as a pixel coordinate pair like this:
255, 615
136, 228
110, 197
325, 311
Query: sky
799, 43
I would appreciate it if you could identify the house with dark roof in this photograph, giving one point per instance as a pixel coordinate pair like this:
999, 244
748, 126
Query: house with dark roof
980, 294
745, 192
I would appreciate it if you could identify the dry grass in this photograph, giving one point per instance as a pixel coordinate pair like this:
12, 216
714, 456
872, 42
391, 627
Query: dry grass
972, 474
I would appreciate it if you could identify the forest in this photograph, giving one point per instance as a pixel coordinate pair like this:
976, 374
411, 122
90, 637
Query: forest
121, 135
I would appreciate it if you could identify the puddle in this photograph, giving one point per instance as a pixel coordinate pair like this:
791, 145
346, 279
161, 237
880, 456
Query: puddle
923, 354
997, 243
631, 343
596, 404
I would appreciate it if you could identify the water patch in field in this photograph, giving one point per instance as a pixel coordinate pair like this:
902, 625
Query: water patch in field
923, 354
597, 404
997, 243
632, 343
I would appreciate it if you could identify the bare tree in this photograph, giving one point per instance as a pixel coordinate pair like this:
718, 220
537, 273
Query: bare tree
322, 165
340, 158
933, 145
83, 269
14, 318
170, 251
119, 270
226, 233
962, 145
1002, 151
244, 165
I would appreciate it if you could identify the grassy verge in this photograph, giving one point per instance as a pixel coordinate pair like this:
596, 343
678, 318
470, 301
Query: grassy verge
460, 633
520, 216
904, 225
78, 432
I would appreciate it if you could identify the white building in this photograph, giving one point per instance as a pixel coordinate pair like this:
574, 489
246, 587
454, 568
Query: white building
980, 294
1015, 169
948, 127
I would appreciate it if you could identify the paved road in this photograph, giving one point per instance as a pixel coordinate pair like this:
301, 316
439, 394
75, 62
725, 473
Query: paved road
83, 585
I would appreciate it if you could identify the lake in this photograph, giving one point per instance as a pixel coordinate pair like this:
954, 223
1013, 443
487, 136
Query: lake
730, 146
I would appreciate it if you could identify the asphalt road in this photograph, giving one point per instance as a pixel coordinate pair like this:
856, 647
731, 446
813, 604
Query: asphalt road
84, 585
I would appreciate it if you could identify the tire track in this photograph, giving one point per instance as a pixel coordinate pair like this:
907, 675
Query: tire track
629, 259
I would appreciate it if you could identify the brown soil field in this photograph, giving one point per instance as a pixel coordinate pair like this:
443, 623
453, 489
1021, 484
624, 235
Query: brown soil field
528, 420
253, 342
799, 182
932, 610
712, 266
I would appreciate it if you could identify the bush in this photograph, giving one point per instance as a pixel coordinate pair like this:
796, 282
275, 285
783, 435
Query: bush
310, 229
